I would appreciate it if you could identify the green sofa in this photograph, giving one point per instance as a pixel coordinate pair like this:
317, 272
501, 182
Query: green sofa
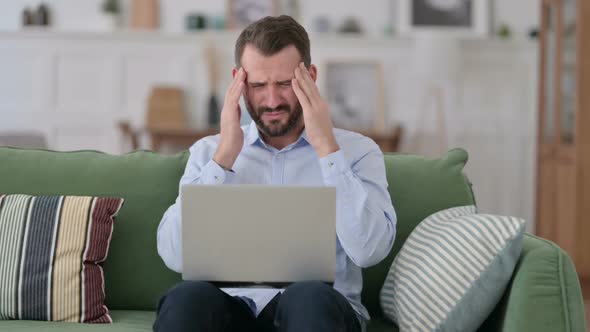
543, 295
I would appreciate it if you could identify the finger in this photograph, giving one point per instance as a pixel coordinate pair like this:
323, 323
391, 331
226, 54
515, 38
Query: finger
236, 86
237, 92
231, 108
237, 79
303, 86
307, 84
315, 92
233, 82
300, 95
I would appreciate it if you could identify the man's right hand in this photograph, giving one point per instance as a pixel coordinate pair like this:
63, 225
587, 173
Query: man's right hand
232, 136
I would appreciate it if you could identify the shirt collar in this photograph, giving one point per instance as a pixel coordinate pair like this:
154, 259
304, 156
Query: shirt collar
253, 136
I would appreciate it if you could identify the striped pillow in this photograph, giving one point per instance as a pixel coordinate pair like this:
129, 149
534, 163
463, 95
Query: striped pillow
51, 250
452, 270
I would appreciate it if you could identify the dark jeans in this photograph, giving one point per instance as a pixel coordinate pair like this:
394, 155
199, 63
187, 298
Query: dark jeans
303, 306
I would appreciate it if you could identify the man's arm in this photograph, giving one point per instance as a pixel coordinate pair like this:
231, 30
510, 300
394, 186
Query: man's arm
200, 169
365, 217
204, 167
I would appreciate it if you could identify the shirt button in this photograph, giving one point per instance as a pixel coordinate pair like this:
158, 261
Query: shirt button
330, 164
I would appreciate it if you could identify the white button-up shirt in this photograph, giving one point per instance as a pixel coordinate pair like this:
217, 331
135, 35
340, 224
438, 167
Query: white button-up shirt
365, 217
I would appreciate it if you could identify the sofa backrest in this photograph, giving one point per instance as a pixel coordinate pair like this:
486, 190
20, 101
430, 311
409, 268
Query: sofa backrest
135, 276
418, 187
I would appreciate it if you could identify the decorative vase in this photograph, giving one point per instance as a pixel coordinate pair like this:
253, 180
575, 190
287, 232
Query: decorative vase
145, 14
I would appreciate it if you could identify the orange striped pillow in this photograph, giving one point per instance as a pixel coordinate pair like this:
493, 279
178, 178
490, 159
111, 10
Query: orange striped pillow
51, 254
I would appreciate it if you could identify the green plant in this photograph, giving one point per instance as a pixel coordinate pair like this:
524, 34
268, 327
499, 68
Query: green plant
111, 6
504, 31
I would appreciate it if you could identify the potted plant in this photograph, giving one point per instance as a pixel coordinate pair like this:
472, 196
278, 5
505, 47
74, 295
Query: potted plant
111, 10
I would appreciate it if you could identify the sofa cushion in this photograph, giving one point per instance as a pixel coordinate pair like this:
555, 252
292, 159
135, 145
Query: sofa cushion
452, 270
52, 248
135, 276
418, 187
543, 295
123, 321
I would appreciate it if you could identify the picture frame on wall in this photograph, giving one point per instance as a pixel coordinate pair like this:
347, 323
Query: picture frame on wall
462, 18
240, 13
354, 91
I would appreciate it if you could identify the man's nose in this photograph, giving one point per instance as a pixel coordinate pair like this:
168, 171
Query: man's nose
273, 97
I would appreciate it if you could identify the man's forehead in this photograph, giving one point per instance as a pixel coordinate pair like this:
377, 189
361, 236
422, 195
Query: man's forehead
275, 67
268, 76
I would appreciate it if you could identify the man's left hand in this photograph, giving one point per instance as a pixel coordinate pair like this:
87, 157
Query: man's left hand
316, 116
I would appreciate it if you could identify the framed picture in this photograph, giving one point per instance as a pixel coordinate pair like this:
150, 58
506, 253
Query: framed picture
465, 18
243, 12
354, 93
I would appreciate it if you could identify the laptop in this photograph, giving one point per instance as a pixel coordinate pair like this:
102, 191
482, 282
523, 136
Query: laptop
258, 234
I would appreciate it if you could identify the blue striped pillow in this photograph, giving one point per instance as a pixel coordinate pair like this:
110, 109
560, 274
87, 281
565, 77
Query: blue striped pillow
452, 270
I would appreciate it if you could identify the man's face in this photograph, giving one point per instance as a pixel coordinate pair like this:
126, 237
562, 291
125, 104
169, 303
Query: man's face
269, 97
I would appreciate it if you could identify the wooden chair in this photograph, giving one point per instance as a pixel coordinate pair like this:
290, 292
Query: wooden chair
129, 134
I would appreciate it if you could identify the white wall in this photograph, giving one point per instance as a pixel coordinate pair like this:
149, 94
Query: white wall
494, 117
74, 87
521, 15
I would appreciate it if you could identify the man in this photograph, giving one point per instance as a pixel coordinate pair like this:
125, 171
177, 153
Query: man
291, 140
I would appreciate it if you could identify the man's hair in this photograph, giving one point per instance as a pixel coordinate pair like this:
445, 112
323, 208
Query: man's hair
270, 35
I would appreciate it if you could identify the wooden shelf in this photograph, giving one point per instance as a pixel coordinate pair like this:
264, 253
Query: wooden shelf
477, 44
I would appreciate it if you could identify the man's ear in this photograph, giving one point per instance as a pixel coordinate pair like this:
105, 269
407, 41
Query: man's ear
313, 72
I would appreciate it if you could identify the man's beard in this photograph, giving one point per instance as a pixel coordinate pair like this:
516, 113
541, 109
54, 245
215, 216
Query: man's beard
275, 128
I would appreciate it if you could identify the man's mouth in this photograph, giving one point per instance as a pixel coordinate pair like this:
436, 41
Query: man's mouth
272, 115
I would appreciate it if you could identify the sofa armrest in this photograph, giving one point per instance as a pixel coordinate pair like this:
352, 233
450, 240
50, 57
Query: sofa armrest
544, 293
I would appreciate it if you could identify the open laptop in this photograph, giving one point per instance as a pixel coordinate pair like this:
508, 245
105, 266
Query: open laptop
244, 234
